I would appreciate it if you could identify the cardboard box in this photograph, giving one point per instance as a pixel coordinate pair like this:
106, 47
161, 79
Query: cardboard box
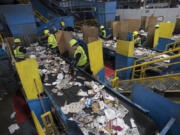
90, 32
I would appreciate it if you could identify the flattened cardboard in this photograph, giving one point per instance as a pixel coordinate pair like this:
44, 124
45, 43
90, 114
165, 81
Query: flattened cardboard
133, 24
151, 21
89, 32
115, 29
63, 38
150, 38
177, 26
143, 22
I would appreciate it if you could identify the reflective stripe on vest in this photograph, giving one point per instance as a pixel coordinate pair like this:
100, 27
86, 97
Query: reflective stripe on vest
18, 54
137, 41
83, 59
52, 41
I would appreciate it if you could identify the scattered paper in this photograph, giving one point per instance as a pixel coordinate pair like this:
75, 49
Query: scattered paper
12, 128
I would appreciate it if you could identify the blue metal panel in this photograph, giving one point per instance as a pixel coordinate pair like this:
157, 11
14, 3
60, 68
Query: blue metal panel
162, 42
35, 105
20, 19
122, 62
130, 36
106, 12
160, 108
100, 75
46, 12
54, 24
110, 7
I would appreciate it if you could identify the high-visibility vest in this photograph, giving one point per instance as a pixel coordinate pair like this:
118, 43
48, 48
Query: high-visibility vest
18, 54
137, 41
52, 41
103, 32
83, 59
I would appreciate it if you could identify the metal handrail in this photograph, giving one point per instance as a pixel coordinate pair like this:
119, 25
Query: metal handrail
166, 52
146, 63
170, 64
153, 78
174, 44
143, 67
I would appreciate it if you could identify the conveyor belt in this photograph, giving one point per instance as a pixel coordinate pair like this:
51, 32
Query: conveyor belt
145, 125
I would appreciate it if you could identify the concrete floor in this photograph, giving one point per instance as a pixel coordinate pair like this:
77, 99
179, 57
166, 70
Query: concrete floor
6, 109
5, 112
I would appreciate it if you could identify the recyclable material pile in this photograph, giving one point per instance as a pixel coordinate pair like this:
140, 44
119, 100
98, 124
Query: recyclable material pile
175, 37
81, 99
143, 52
110, 44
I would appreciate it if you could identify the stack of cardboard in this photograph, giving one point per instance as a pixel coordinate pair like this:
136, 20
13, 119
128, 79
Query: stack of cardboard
63, 38
121, 28
150, 23
90, 33
177, 26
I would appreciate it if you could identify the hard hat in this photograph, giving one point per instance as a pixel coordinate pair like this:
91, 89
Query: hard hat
17, 40
135, 33
168, 22
72, 42
101, 27
46, 31
157, 26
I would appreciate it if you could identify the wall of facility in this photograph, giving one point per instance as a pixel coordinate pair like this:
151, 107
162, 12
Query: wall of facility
164, 14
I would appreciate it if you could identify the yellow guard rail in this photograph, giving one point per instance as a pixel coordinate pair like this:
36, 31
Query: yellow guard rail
143, 67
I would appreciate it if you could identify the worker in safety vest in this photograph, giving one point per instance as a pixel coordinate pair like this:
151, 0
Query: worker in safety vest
102, 32
136, 39
52, 43
19, 50
80, 58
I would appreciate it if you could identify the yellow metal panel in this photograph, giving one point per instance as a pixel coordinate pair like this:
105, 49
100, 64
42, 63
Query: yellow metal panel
125, 48
37, 124
166, 30
156, 37
95, 53
28, 71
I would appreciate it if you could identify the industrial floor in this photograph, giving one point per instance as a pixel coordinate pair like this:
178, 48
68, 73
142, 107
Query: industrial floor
6, 110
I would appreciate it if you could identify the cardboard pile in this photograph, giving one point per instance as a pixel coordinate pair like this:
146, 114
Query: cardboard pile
177, 26
63, 38
121, 28
90, 33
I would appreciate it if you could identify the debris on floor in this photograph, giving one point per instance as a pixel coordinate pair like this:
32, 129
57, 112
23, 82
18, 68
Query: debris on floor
13, 115
12, 128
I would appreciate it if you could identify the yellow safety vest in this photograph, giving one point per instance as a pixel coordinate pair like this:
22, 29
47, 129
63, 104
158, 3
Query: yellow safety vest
137, 40
52, 41
18, 54
83, 59
104, 33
